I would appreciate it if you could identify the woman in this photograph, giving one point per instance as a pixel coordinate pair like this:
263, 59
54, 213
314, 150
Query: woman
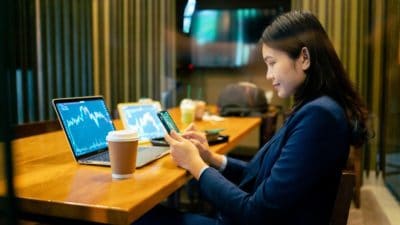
293, 179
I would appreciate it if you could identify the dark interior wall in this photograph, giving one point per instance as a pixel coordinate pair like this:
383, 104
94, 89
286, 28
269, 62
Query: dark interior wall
391, 98
212, 80
233, 4
7, 31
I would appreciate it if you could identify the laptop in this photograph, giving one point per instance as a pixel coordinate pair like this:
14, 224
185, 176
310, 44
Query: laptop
86, 122
143, 117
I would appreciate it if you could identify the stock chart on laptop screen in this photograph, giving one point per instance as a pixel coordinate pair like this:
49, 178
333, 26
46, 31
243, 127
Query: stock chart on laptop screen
143, 118
86, 124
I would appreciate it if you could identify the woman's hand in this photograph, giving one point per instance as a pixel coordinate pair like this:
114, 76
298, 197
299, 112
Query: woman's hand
199, 139
185, 153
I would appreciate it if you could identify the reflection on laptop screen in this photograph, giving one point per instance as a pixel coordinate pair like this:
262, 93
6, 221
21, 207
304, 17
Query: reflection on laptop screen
86, 123
144, 119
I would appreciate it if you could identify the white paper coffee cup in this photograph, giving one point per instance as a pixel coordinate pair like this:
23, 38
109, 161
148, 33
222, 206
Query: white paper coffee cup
122, 146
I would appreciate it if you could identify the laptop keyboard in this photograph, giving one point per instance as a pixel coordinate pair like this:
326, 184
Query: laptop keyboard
102, 157
149, 153
145, 155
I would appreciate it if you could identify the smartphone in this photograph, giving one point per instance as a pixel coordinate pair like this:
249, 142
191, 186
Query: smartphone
167, 121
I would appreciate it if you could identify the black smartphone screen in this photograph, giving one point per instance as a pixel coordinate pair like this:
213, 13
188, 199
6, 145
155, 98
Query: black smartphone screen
167, 121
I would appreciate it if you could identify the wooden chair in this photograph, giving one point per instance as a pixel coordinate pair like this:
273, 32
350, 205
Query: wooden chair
343, 198
268, 124
354, 164
34, 128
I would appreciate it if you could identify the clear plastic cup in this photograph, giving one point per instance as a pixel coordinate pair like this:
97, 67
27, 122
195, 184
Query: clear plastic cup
188, 108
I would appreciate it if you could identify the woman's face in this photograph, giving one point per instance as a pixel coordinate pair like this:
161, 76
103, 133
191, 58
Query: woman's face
286, 74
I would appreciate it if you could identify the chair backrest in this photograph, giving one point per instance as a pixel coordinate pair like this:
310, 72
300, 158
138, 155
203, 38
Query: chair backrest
268, 124
354, 163
343, 198
29, 129
242, 99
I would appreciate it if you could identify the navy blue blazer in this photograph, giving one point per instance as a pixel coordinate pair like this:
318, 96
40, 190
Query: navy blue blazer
293, 178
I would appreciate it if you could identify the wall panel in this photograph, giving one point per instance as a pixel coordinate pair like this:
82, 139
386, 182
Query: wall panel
114, 48
391, 97
347, 25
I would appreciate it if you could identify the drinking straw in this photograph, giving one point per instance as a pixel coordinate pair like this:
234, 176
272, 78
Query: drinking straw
199, 93
188, 91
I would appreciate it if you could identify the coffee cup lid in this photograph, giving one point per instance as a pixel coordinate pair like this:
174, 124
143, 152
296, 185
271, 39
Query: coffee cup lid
122, 135
187, 103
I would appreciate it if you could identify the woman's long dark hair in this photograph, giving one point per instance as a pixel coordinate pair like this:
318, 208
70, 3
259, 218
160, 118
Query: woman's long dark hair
326, 75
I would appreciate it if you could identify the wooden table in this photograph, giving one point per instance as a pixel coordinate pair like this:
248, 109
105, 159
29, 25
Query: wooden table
49, 182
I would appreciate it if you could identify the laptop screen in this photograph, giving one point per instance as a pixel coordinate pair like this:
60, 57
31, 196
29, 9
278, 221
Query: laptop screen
86, 123
144, 119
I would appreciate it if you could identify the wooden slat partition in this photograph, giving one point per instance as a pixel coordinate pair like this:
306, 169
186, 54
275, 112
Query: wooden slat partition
366, 37
115, 48
390, 148
349, 24
346, 23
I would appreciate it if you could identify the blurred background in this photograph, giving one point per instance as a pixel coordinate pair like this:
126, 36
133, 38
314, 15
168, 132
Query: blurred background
131, 49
